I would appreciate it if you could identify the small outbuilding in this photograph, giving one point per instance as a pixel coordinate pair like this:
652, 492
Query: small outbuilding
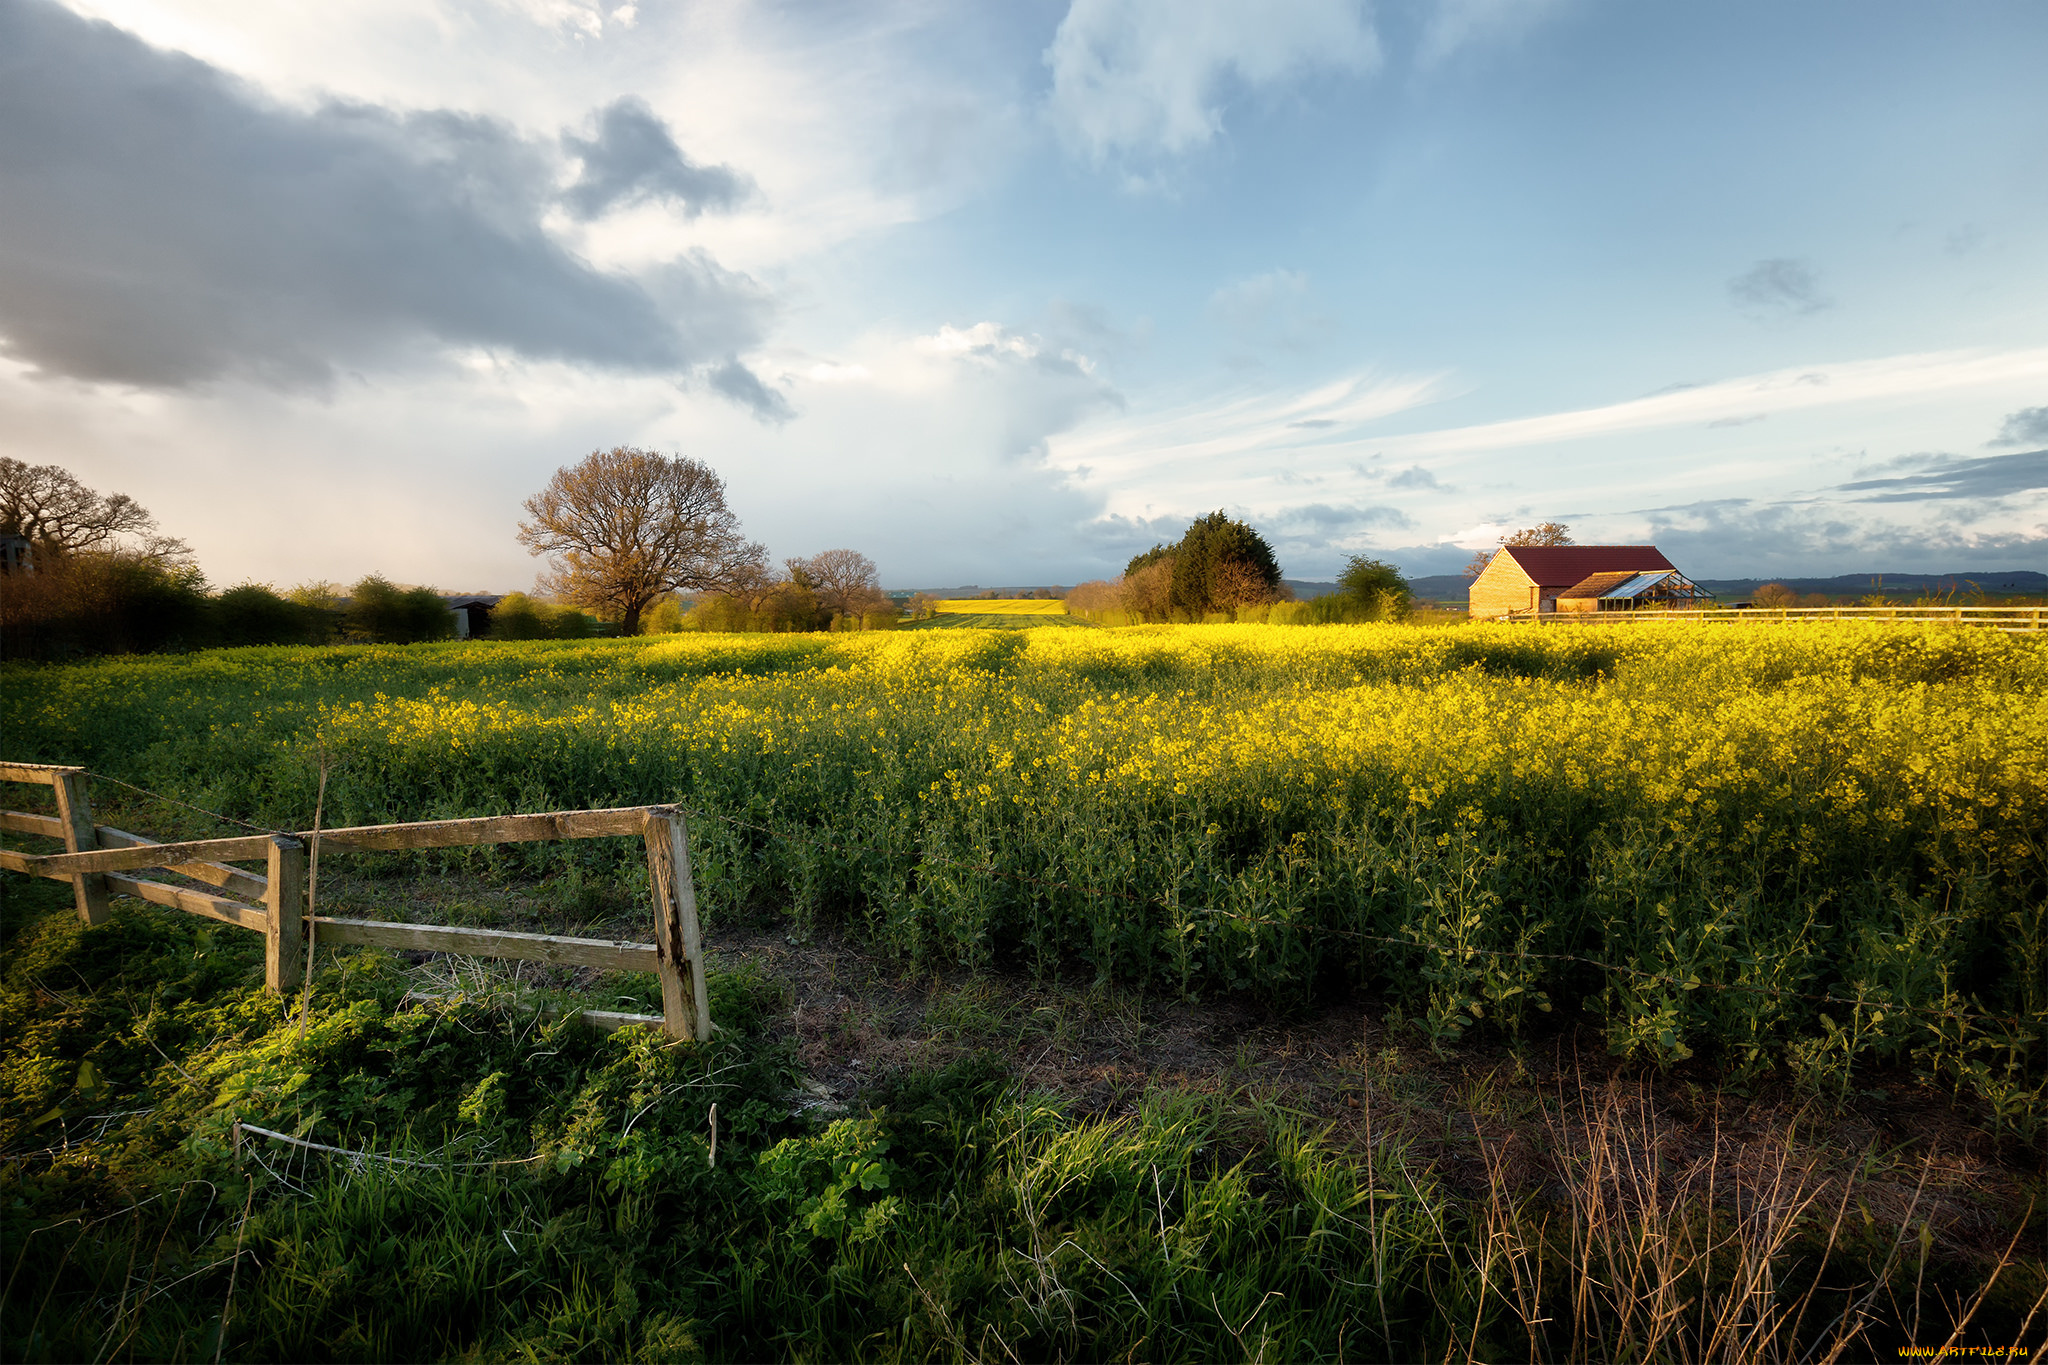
1527, 580
472, 613
1628, 590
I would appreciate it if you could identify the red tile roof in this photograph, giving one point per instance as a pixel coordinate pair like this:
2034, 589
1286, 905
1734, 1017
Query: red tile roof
1561, 566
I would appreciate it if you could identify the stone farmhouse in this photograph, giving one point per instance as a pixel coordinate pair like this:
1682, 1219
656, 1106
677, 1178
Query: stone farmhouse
1527, 581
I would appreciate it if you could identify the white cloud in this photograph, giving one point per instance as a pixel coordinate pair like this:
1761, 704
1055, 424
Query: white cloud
1458, 24
1193, 444
924, 451
986, 342
1300, 458
1135, 78
1892, 378
817, 108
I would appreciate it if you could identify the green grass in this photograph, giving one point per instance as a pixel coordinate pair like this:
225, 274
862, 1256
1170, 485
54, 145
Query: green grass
964, 620
553, 1197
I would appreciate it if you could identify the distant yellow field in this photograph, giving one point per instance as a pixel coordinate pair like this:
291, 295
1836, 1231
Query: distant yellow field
984, 606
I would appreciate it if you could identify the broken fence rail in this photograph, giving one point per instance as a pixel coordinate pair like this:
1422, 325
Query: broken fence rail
98, 858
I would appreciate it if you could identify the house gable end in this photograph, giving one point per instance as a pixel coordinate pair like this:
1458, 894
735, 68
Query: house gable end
1503, 586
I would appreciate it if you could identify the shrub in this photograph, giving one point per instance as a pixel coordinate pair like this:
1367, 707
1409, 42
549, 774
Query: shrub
379, 612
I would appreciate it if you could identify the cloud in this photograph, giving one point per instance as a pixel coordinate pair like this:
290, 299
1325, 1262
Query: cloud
1887, 380
1327, 519
633, 158
1947, 477
1457, 24
1740, 538
1026, 389
164, 226
1209, 436
1778, 288
1415, 476
2024, 427
1133, 79
744, 387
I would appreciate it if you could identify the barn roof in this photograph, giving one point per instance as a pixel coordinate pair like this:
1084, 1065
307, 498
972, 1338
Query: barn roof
1562, 566
1596, 585
1623, 584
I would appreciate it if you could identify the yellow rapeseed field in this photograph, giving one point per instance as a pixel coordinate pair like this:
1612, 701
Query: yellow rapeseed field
984, 606
1819, 846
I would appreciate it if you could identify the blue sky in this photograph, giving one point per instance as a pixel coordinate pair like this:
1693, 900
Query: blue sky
1003, 294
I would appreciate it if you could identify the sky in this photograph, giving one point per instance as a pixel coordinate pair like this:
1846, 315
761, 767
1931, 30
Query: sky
1004, 294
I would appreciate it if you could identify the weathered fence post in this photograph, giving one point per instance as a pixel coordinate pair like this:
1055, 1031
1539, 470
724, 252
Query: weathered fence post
284, 953
685, 1005
88, 888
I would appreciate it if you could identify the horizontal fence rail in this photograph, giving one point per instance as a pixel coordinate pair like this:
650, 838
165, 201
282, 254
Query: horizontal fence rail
98, 858
2024, 619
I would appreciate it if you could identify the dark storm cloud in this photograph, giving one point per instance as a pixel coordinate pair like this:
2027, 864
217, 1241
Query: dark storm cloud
2024, 427
1946, 477
633, 158
162, 224
1778, 288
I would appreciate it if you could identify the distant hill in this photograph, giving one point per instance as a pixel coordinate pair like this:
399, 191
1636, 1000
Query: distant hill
1441, 587
2002, 583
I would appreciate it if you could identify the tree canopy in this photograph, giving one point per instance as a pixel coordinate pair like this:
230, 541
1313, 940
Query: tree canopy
1542, 533
1367, 590
380, 610
845, 582
1219, 564
47, 506
626, 526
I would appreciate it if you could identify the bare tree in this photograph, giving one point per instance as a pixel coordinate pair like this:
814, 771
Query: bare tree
845, 581
1775, 595
1148, 590
1096, 595
626, 526
1542, 533
60, 516
1238, 584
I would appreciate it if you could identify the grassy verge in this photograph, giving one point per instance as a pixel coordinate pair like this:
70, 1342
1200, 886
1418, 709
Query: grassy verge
509, 1188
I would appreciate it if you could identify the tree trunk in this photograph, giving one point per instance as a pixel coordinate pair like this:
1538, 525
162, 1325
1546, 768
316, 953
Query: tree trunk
631, 624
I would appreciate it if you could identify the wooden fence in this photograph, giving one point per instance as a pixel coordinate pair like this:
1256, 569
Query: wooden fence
2024, 619
98, 858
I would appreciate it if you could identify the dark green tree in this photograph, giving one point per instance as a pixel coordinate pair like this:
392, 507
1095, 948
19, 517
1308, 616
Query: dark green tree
1221, 564
1367, 590
1148, 559
253, 614
382, 612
